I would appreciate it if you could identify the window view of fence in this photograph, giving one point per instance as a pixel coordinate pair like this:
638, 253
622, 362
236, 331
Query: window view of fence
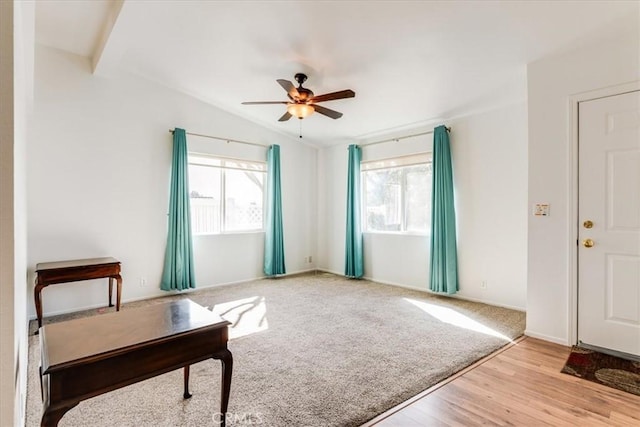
396, 194
226, 194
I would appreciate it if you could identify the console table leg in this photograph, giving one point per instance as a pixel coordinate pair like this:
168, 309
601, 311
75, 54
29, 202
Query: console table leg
40, 378
110, 291
38, 302
118, 291
186, 394
227, 367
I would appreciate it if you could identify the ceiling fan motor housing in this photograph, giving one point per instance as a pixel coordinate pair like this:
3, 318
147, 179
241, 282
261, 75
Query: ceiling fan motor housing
304, 94
300, 78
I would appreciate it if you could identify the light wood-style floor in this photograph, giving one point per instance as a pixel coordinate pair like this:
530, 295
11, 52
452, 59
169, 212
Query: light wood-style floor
522, 386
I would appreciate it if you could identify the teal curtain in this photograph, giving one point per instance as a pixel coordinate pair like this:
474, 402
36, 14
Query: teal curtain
354, 263
178, 259
274, 235
444, 257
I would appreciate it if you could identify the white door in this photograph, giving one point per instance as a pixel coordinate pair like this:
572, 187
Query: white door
609, 246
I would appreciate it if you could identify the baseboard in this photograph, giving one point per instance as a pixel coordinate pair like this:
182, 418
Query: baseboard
400, 285
456, 296
301, 272
488, 302
415, 288
83, 308
555, 340
326, 270
164, 293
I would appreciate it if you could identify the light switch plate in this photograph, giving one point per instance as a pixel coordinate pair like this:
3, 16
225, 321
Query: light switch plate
541, 209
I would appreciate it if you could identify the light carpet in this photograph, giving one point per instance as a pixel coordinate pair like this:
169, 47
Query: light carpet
309, 350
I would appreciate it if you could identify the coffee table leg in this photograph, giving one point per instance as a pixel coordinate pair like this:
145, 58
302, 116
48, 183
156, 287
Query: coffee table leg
50, 418
227, 368
186, 394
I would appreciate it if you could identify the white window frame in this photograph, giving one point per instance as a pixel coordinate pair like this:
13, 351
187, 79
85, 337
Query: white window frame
424, 158
200, 159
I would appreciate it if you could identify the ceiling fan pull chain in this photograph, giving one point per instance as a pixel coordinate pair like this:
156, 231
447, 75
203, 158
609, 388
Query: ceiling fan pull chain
300, 122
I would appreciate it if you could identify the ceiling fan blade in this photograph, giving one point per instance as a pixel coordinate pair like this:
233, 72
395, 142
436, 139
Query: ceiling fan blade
286, 116
327, 112
264, 102
348, 93
292, 92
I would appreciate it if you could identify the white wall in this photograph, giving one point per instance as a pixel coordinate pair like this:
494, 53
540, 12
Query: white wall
490, 167
490, 174
7, 213
99, 168
332, 208
16, 63
551, 82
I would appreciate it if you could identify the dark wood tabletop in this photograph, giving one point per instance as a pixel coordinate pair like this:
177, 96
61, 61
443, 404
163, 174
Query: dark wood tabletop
75, 263
99, 337
85, 357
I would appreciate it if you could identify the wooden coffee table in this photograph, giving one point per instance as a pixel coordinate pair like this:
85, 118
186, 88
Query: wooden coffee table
86, 357
51, 273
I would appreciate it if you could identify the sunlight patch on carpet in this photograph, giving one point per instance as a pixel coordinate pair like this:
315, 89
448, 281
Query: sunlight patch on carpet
248, 315
452, 317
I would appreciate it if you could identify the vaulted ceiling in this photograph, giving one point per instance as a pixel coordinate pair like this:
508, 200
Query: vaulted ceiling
411, 63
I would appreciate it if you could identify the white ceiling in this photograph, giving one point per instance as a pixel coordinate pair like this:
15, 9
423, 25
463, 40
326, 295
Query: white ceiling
411, 63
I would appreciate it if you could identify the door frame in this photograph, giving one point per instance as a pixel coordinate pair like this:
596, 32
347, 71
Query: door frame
572, 193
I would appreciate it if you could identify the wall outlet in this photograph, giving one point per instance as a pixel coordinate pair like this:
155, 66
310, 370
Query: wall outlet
483, 284
310, 258
143, 281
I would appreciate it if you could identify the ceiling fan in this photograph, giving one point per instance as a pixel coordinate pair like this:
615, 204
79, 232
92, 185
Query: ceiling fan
302, 102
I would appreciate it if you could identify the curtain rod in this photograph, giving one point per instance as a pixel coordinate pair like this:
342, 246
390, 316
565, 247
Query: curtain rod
224, 139
400, 137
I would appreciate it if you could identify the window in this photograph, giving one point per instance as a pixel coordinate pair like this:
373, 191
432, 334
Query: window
226, 194
396, 194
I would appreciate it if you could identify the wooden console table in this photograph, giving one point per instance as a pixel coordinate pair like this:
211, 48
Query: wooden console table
86, 357
50, 273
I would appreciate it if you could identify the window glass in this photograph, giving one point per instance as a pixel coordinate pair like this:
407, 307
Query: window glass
418, 198
383, 195
205, 194
243, 209
397, 194
226, 195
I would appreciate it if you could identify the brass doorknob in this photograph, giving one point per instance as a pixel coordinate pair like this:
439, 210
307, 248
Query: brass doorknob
588, 243
588, 224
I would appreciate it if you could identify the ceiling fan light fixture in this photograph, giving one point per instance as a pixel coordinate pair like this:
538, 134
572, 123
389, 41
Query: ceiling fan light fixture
300, 110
